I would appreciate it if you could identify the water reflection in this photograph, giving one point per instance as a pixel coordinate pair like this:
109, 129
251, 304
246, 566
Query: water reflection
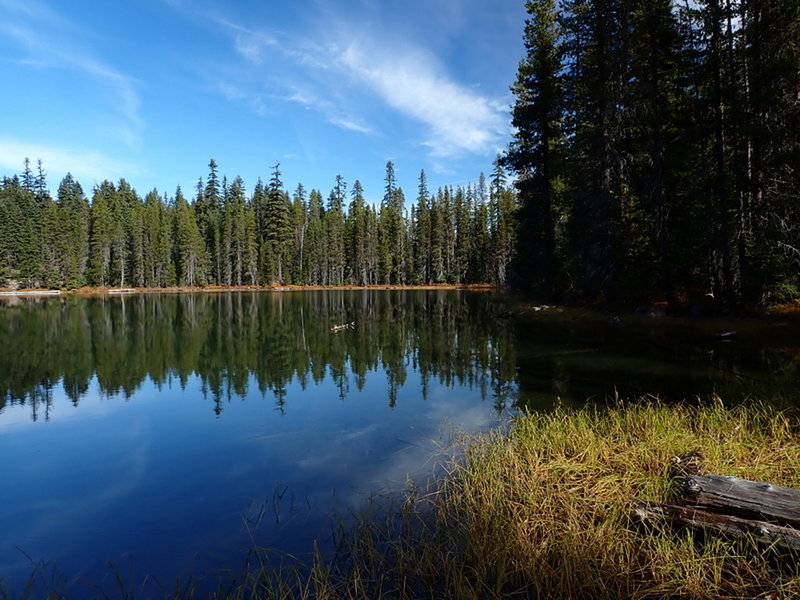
186, 429
234, 341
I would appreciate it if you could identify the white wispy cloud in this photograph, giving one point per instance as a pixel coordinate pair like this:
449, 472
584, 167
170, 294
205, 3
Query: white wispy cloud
334, 112
254, 100
48, 37
352, 126
351, 75
458, 119
249, 43
86, 166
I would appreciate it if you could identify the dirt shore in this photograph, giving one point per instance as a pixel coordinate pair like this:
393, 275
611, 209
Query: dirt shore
103, 291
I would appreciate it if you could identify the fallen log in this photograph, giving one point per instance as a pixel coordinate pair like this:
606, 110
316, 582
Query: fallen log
767, 513
728, 525
743, 498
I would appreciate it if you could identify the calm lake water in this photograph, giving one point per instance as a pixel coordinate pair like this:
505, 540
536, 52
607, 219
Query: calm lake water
166, 435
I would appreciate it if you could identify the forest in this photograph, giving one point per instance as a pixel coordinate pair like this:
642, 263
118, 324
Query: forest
655, 155
228, 237
657, 149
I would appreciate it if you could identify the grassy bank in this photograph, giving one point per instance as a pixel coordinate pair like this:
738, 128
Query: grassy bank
544, 512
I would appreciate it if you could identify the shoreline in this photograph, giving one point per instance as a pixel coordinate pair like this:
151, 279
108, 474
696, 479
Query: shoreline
547, 509
107, 291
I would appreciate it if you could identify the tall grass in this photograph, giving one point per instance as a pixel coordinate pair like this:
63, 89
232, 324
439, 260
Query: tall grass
543, 511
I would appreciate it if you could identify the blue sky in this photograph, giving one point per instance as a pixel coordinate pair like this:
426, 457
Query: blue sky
149, 90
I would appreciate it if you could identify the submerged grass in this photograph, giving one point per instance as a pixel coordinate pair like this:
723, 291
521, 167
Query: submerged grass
544, 511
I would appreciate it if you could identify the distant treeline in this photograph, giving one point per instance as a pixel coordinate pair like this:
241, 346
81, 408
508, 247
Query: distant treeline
657, 146
242, 344
226, 237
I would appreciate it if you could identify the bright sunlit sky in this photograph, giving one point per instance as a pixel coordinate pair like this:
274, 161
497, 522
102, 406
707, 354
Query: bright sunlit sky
149, 90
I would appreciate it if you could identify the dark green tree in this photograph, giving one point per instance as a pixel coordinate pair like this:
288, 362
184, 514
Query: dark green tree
74, 213
534, 153
277, 230
189, 246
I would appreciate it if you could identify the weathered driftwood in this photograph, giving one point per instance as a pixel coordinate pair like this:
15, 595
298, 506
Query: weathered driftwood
743, 498
728, 525
767, 513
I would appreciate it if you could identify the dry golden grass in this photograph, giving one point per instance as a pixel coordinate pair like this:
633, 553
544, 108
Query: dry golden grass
544, 512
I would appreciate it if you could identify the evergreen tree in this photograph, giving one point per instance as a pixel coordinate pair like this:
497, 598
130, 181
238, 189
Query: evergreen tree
653, 46
768, 223
74, 208
334, 223
537, 118
596, 62
480, 262
156, 250
54, 233
462, 207
138, 263
189, 246
122, 204
207, 207
300, 226
241, 232
358, 237
503, 224
277, 225
20, 232
393, 242
102, 234
422, 233
315, 240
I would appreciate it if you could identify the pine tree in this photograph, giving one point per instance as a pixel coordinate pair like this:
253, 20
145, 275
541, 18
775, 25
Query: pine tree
653, 45
422, 233
189, 246
438, 239
54, 233
358, 237
315, 252
28, 179
136, 253
101, 234
480, 263
334, 223
74, 209
122, 204
503, 223
277, 225
534, 153
768, 223
462, 207
240, 248
595, 89
207, 206
393, 242
299, 226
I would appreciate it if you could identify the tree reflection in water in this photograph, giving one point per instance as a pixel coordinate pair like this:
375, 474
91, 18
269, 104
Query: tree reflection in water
235, 340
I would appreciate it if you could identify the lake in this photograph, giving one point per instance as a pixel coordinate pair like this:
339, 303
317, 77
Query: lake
167, 435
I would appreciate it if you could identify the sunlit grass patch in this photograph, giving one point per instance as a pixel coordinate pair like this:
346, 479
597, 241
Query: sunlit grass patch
543, 511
